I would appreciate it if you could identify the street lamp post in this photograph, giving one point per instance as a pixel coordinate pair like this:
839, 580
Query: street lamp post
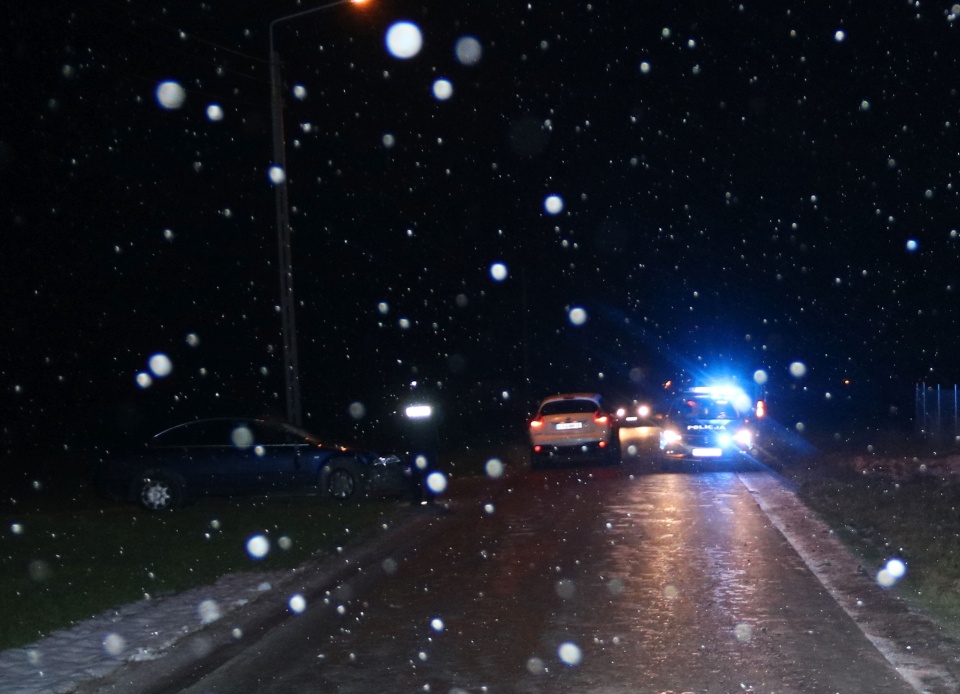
291, 364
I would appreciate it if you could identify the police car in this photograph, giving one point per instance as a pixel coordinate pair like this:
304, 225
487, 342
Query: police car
709, 423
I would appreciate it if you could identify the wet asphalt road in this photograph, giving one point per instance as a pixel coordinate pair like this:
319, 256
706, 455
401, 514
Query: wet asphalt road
581, 580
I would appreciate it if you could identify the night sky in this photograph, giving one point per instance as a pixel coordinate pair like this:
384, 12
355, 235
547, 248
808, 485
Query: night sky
743, 186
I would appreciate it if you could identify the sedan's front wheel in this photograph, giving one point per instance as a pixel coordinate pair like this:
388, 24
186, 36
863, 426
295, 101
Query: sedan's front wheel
341, 484
158, 492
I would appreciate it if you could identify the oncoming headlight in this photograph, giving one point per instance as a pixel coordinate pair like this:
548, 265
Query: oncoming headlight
668, 436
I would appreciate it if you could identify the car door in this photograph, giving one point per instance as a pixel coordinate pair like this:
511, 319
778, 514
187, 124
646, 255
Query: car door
278, 462
215, 456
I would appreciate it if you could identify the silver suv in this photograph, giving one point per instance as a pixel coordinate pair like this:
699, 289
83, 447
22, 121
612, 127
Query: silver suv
573, 425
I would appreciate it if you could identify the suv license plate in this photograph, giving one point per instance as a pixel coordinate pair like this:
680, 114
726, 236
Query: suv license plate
569, 425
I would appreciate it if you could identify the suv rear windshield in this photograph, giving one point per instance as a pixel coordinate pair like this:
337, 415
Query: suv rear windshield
568, 407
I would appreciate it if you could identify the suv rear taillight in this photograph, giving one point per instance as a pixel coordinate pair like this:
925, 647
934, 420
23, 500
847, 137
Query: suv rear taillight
536, 423
601, 418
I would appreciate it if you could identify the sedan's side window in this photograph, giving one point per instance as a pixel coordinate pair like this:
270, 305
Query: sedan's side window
270, 435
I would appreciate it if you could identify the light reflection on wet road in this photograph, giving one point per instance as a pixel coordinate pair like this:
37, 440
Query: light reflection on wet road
661, 581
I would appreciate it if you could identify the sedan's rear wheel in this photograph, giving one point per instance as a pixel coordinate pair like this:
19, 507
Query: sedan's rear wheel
159, 491
341, 484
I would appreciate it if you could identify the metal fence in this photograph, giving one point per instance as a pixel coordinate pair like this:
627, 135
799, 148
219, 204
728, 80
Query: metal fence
937, 414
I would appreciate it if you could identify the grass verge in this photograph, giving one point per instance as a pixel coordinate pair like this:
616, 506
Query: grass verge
66, 554
882, 516
57, 567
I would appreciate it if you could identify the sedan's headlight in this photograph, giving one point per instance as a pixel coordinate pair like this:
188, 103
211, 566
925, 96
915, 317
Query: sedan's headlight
744, 437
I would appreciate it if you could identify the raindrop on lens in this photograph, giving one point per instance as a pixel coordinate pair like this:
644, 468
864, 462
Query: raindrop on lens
277, 175
258, 546
892, 572
897, 568
436, 482
442, 89
160, 365
912, 245
535, 666
553, 204
566, 589
208, 611
798, 369
298, 604
170, 95
300, 92
839, 36
570, 653
616, 586
498, 271
436, 624
494, 468
760, 377
214, 113
144, 380
578, 316
39, 570
404, 40
242, 437
743, 632
468, 50
357, 410
114, 644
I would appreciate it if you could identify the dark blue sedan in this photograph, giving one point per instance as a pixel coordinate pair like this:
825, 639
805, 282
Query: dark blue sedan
226, 457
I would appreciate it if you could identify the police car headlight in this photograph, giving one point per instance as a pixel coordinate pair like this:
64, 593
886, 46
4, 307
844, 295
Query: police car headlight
724, 439
744, 437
